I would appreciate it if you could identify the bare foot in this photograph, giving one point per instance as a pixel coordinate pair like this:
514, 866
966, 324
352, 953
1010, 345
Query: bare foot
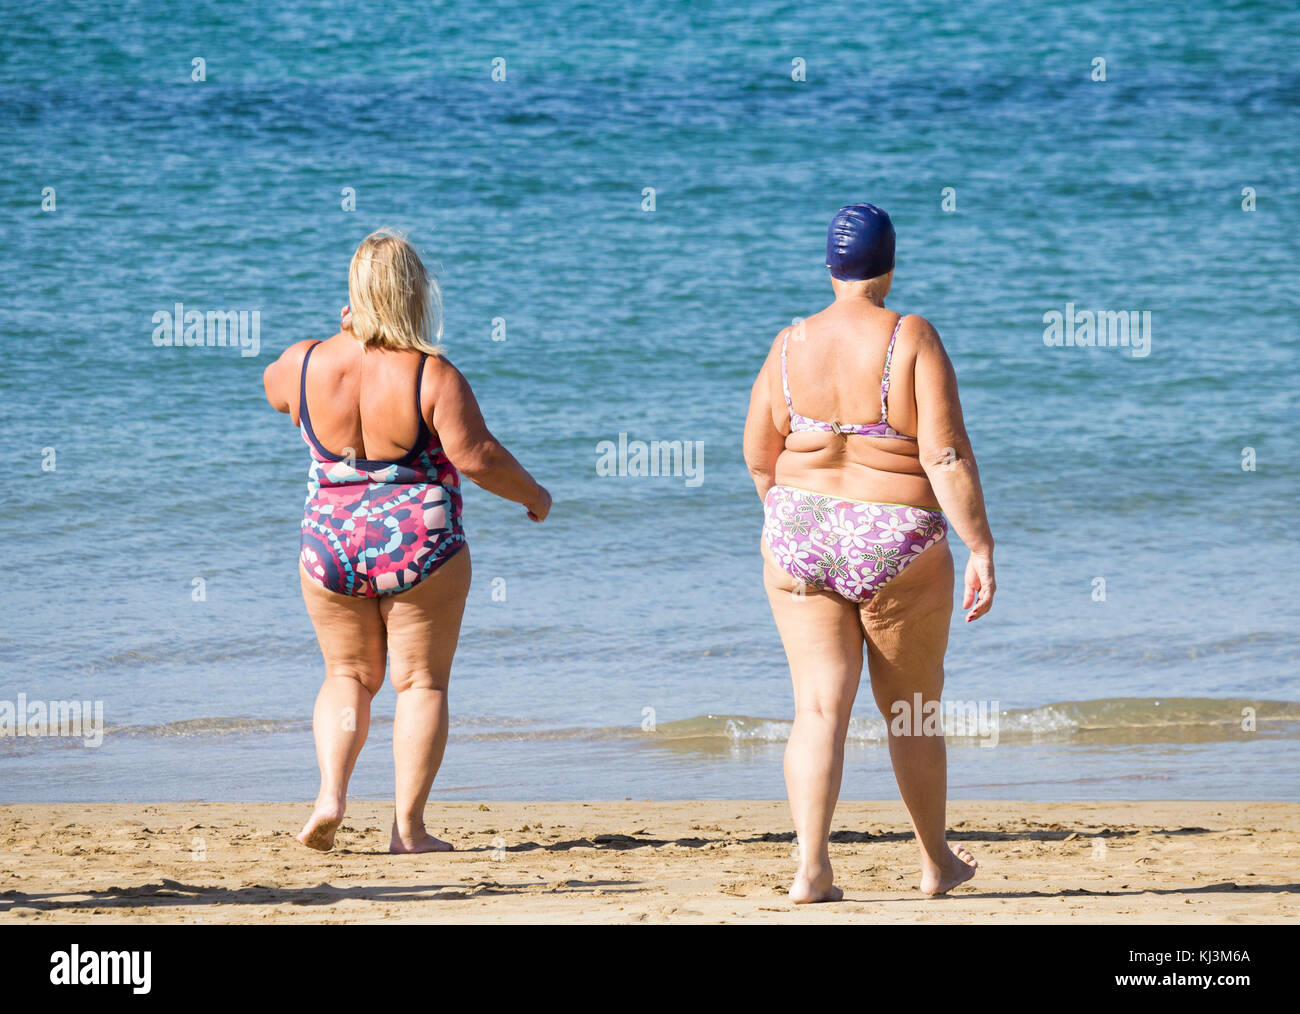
401, 844
961, 867
318, 832
813, 887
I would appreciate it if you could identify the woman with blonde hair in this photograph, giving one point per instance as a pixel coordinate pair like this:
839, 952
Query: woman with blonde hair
384, 568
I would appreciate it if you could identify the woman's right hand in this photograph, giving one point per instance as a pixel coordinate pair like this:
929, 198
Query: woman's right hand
540, 505
979, 585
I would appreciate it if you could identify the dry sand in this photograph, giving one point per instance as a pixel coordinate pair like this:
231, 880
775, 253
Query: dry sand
629, 862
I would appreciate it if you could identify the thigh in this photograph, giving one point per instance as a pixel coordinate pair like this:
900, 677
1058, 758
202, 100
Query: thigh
822, 639
906, 629
350, 631
424, 625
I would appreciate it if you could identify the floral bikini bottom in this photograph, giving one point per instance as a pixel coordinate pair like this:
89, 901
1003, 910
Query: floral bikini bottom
850, 547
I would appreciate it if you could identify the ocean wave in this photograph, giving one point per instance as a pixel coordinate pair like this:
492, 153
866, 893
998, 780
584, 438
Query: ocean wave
1110, 721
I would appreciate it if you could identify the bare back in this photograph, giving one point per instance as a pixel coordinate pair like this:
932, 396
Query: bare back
364, 400
834, 365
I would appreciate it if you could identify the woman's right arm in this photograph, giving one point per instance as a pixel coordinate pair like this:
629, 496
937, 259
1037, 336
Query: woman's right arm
763, 442
949, 464
280, 380
475, 452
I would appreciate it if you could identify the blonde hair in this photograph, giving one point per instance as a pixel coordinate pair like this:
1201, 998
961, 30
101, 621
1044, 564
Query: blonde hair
395, 303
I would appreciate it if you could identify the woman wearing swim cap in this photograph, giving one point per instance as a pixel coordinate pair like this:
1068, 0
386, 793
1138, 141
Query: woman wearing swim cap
857, 447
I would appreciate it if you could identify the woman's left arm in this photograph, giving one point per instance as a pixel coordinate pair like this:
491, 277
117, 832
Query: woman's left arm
763, 441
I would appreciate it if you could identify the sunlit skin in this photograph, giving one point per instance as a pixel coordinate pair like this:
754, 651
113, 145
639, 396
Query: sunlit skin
835, 360
363, 400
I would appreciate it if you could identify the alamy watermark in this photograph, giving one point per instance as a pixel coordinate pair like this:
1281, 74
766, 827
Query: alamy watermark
680, 458
177, 327
36, 719
1130, 329
75, 967
918, 717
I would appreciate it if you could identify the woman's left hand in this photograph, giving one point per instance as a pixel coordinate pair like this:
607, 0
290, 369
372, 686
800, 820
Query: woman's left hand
979, 585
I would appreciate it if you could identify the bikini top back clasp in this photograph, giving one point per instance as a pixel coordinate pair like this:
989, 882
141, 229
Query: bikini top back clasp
799, 423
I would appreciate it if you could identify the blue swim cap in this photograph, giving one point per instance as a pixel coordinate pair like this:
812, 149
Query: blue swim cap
860, 243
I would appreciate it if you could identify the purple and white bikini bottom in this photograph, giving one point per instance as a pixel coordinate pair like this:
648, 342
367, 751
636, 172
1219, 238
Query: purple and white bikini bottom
850, 547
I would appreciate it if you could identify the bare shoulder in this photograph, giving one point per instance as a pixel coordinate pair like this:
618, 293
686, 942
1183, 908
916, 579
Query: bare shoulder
918, 328
442, 384
440, 372
791, 332
296, 352
921, 335
767, 372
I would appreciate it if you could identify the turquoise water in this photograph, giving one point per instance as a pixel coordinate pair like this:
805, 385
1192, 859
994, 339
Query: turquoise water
527, 196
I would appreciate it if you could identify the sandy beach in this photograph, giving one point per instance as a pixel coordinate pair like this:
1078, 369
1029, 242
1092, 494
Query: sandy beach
642, 862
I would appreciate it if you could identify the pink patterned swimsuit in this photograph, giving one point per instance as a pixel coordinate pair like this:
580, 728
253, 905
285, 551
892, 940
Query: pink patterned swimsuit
378, 527
850, 547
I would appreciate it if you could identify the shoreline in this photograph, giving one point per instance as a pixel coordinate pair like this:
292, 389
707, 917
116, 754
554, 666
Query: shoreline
689, 861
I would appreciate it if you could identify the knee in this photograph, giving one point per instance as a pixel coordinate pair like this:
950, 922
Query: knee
833, 716
369, 680
419, 679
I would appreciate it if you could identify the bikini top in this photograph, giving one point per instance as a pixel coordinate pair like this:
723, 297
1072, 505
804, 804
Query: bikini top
877, 429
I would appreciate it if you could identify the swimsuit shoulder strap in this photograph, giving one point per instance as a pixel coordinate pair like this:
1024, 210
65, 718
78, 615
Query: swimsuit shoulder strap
302, 387
424, 433
785, 380
884, 376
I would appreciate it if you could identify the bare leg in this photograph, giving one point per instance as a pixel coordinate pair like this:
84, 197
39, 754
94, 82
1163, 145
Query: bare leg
351, 636
906, 627
423, 627
823, 643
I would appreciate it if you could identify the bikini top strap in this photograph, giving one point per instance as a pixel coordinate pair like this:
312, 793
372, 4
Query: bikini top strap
419, 411
785, 380
884, 376
302, 386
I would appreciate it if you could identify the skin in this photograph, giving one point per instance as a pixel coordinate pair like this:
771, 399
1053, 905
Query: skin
361, 404
835, 359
